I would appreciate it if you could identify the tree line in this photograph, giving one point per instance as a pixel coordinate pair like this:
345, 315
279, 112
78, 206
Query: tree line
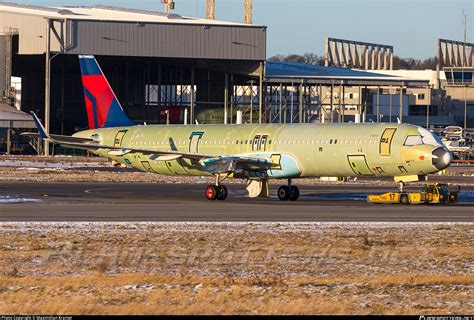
398, 62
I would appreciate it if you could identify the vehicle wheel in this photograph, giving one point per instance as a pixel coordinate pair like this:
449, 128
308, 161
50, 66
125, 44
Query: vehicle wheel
404, 199
211, 192
284, 193
222, 194
294, 193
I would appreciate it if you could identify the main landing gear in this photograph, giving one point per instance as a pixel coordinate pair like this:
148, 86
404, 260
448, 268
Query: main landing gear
288, 192
217, 191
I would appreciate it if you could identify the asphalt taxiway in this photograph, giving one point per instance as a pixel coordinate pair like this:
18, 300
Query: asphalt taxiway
28, 201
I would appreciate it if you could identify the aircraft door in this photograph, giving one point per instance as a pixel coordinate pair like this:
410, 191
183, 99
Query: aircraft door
119, 137
359, 165
194, 141
386, 142
255, 143
263, 143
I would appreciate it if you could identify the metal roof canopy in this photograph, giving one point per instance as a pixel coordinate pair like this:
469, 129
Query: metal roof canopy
292, 72
13, 118
109, 13
114, 31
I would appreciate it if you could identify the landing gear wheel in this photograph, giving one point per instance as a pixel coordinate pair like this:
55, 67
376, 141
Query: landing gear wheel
284, 193
404, 199
294, 193
212, 192
222, 194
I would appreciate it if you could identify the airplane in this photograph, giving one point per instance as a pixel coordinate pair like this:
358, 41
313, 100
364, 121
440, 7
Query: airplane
254, 152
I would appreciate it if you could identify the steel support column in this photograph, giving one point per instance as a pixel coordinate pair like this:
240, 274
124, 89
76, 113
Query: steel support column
300, 104
280, 103
260, 94
9, 137
226, 96
378, 104
191, 107
47, 84
331, 109
401, 104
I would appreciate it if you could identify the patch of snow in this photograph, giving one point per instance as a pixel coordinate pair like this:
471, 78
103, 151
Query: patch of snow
8, 199
31, 165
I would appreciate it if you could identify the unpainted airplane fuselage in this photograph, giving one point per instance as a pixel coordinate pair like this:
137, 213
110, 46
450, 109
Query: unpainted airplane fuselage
299, 150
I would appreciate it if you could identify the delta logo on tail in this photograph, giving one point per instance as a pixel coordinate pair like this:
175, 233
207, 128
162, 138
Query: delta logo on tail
103, 108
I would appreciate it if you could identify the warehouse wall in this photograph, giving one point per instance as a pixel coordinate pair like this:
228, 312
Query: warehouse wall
168, 40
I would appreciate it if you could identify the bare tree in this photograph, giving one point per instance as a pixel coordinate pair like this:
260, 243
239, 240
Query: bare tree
398, 62
307, 58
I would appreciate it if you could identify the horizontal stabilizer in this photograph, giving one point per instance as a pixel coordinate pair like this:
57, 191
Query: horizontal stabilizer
58, 137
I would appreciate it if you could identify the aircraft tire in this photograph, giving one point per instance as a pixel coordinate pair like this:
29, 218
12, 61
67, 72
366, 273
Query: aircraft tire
404, 199
284, 193
211, 192
222, 194
294, 193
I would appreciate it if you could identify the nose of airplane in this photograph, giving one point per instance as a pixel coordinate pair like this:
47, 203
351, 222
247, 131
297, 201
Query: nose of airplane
441, 158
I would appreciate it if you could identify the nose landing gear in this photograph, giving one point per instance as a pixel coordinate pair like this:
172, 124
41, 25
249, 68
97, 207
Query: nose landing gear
288, 192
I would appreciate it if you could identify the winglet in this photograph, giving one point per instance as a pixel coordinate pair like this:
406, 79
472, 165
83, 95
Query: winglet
39, 126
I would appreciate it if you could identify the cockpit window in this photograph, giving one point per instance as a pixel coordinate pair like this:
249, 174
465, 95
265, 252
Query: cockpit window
429, 138
425, 137
413, 140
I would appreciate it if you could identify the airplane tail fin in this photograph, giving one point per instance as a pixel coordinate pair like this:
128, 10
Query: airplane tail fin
103, 108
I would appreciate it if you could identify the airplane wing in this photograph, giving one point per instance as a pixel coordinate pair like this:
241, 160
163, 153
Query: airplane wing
211, 163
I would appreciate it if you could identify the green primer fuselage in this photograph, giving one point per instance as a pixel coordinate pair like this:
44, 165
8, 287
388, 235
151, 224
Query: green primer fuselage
302, 150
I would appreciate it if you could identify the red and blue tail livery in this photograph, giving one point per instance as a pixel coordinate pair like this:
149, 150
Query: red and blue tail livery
103, 108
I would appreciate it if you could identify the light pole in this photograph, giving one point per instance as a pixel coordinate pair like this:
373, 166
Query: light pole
465, 104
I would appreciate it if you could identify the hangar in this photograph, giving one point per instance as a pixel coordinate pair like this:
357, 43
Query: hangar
154, 61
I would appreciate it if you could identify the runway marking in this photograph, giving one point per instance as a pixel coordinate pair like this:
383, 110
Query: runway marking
99, 189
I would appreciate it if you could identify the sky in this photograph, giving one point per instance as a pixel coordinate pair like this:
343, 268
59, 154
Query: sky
299, 26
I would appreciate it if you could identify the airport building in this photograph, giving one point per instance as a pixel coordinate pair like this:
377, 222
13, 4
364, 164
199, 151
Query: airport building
166, 68
155, 62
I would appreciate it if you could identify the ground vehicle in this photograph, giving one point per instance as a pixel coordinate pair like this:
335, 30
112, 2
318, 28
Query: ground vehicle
432, 193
